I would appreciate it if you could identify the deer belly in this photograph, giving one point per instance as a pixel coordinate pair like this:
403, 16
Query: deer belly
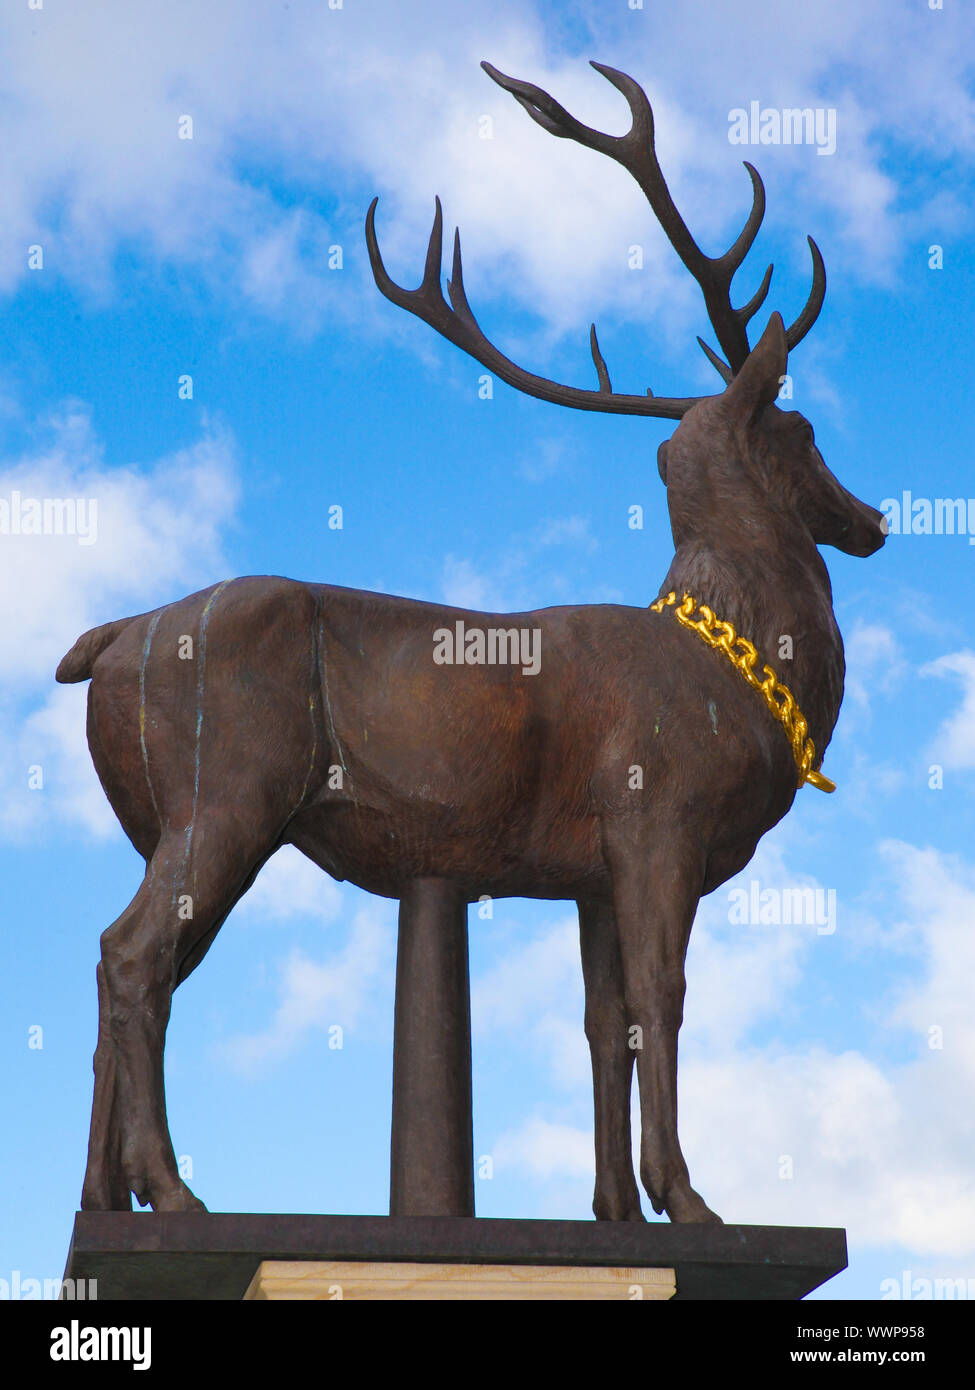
503, 856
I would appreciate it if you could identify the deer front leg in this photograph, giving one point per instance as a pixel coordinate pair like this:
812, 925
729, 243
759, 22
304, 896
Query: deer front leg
617, 1197
657, 882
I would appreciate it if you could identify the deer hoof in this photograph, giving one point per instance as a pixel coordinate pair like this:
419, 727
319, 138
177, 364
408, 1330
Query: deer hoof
182, 1199
688, 1206
678, 1199
169, 1197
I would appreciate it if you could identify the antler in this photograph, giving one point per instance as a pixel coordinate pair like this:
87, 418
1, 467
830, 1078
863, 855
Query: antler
635, 152
456, 322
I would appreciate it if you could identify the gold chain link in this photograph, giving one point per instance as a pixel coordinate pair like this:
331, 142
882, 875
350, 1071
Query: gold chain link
743, 656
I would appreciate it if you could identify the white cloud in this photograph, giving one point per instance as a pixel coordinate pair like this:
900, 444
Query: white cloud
321, 995
159, 529
737, 977
545, 458
567, 530
954, 743
389, 98
544, 1150
535, 993
737, 974
52, 738
874, 662
877, 1145
463, 587
936, 892
513, 585
290, 885
314, 994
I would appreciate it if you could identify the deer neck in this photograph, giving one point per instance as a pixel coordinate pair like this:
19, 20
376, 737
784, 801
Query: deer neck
780, 598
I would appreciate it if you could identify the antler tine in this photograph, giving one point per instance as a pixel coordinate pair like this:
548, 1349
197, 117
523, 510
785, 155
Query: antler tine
798, 330
554, 118
748, 311
742, 244
636, 152
599, 362
426, 301
720, 366
456, 322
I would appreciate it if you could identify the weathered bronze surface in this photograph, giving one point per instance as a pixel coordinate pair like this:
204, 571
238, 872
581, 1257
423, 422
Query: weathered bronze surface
632, 771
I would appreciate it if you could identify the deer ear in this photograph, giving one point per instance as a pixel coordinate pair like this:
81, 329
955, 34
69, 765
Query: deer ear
758, 382
662, 461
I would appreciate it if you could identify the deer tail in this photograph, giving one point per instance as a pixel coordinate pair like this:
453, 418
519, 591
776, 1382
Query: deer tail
80, 660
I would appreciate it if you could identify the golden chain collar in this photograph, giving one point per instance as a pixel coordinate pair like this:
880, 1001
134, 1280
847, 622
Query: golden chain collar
743, 656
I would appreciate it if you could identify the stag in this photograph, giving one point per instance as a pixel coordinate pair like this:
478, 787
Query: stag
634, 772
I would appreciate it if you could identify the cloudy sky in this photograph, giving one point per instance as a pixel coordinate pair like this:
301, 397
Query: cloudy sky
827, 1075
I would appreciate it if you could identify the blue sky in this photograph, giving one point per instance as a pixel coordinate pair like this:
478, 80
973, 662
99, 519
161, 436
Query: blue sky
852, 1052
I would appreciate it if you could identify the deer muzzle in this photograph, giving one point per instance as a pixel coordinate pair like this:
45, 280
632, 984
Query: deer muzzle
863, 528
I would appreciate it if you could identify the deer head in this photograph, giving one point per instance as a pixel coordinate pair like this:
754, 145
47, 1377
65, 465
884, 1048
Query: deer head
739, 447
737, 455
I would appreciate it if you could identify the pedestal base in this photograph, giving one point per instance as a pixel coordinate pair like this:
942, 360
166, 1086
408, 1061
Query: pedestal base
334, 1280
216, 1255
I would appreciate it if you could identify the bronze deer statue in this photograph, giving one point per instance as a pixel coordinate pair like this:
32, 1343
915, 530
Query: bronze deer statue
634, 770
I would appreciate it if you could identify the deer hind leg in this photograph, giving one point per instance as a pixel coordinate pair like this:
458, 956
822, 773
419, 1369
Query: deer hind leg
191, 884
105, 1188
617, 1197
657, 882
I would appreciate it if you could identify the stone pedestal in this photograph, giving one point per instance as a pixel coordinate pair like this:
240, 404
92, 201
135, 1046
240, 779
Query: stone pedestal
222, 1255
